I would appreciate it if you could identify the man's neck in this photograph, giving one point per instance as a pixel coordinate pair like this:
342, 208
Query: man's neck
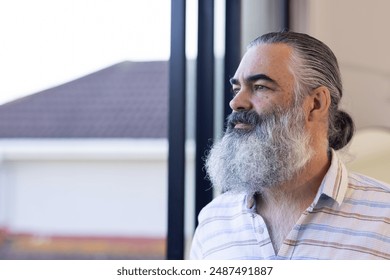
306, 183
281, 206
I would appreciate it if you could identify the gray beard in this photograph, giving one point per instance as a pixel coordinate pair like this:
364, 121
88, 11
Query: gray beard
274, 151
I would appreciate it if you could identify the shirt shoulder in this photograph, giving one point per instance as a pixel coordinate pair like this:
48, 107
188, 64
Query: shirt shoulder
364, 181
225, 229
368, 194
226, 204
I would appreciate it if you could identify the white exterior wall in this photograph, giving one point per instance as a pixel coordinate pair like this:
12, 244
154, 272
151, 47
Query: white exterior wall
85, 187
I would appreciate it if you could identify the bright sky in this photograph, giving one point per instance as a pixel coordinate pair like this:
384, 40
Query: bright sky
45, 43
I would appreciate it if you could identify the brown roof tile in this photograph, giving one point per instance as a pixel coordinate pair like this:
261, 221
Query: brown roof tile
126, 100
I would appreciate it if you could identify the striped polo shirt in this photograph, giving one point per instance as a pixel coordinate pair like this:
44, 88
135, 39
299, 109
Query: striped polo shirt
348, 219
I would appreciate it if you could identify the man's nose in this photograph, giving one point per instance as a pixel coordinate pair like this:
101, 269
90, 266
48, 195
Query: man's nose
241, 101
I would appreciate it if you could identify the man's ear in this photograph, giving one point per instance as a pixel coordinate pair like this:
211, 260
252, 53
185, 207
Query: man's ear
319, 103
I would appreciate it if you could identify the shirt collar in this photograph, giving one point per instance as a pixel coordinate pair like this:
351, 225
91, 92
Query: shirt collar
250, 202
335, 182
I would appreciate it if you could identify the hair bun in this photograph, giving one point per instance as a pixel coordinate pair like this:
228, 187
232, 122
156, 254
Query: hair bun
344, 129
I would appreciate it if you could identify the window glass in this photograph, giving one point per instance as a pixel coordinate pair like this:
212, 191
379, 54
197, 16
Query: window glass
83, 129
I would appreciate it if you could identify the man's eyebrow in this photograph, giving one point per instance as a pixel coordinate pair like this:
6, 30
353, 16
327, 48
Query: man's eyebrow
253, 78
257, 77
233, 81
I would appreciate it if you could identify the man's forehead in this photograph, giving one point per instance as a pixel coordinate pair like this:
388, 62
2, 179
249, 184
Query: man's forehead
267, 59
271, 50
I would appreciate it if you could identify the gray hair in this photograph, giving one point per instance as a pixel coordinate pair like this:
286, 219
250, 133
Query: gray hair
314, 65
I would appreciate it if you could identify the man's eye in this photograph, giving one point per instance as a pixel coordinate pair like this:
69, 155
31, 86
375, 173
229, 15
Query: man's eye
235, 91
259, 87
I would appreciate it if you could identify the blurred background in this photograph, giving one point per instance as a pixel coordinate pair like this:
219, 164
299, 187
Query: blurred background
87, 107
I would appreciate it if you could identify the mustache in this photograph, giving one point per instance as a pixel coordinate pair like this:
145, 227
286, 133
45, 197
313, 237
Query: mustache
245, 117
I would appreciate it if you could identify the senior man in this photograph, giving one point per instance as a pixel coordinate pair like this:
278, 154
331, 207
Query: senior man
285, 192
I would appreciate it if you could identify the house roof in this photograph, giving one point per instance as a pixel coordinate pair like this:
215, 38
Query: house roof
126, 100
